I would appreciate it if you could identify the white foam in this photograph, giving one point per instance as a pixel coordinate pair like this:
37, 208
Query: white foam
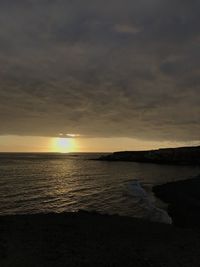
153, 213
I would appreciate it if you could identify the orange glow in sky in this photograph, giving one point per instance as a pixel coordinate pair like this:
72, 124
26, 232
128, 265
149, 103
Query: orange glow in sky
13, 143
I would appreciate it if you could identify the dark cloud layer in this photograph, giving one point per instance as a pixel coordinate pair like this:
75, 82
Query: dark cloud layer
100, 68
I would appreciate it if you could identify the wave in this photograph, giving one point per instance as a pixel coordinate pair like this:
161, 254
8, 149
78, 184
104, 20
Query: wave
153, 213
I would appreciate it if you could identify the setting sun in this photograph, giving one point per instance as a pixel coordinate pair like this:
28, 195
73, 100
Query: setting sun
64, 145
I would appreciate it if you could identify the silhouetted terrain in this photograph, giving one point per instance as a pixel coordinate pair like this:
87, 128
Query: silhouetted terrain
183, 198
85, 239
181, 156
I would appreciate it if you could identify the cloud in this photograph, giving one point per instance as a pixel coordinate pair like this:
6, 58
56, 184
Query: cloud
123, 68
126, 29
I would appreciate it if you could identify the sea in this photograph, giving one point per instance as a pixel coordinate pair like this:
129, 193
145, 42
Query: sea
50, 182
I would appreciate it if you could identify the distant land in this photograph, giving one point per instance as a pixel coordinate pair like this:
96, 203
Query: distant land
177, 156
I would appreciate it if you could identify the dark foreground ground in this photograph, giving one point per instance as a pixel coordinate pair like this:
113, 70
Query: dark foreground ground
86, 239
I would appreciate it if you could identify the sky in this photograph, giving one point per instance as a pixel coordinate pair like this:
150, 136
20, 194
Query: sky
98, 75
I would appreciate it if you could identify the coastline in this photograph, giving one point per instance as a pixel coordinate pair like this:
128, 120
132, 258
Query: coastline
183, 199
91, 239
167, 156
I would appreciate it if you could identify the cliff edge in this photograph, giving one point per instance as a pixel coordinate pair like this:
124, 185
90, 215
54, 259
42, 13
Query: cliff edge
179, 156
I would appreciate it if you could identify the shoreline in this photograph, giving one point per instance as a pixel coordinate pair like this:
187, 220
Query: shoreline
182, 156
183, 200
92, 239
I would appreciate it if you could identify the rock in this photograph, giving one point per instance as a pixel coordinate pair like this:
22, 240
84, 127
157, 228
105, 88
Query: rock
179, 156
183, 198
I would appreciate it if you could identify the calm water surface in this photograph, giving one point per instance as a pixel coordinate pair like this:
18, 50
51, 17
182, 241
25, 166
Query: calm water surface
32, 183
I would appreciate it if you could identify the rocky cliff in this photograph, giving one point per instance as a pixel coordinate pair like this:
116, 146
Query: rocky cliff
182, 155
183, 198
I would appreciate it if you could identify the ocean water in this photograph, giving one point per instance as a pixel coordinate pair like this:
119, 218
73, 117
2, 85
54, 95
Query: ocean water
34, 183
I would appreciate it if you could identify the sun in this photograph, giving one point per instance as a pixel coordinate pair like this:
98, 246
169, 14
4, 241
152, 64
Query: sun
64, 145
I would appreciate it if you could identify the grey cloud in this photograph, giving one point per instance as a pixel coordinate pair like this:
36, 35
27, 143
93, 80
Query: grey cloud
123, 68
